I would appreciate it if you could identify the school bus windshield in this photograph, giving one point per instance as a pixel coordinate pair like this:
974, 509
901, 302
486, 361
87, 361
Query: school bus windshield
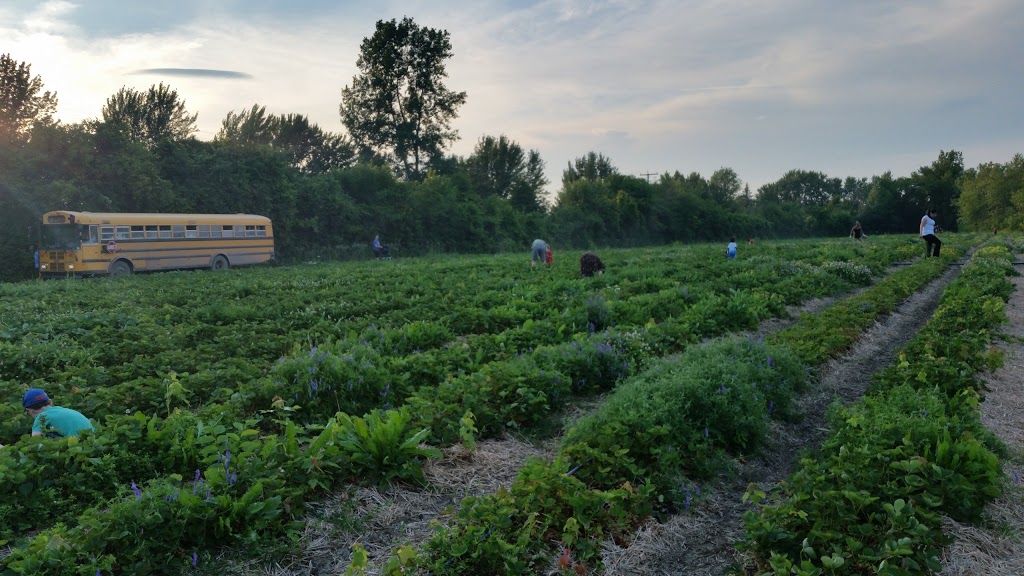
62, 236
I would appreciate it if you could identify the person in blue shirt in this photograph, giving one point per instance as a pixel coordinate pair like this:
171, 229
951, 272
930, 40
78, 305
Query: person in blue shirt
730, 250
376, 246
538, 252
53, 421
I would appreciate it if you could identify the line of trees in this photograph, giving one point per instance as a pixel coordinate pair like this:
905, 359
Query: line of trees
329, 193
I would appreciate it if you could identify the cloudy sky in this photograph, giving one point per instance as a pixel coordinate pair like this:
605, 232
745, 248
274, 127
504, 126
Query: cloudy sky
846, 88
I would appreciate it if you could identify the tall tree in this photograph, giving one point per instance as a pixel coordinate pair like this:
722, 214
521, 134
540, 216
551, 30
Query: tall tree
935, 186
593, 166
802, 187
398, 107
151, 116
252, 126
500, 167
307, 146
724, 185
22, 102
992, 195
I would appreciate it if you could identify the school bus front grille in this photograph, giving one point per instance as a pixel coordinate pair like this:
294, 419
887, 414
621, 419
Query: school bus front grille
57, 261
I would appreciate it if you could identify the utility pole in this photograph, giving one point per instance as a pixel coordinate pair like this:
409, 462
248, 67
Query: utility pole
648, 175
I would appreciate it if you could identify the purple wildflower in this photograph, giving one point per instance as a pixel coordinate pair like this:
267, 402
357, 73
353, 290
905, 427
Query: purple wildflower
195, 558
137, 490
771, 406
1016, 478
196, 479
705, 432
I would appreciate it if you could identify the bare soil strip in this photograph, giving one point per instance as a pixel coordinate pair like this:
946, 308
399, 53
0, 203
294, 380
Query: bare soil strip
701, 542
996, 548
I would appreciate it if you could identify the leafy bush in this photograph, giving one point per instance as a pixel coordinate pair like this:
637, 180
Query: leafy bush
501, 395
679, 416
323, 381
852, 273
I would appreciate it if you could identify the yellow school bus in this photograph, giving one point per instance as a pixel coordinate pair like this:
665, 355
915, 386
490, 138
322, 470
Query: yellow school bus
100, 243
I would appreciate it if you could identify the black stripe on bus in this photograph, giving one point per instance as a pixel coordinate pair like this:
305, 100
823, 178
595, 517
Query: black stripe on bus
179, 257
129, 250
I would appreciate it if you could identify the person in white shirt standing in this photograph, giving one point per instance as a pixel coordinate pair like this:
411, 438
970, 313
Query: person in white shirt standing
927, 231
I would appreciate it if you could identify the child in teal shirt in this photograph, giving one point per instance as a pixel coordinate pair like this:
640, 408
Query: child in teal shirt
53, 421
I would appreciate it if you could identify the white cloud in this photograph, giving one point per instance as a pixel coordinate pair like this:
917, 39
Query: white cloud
657, 85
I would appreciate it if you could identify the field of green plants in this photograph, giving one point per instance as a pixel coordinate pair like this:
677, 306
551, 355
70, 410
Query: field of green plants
226, 403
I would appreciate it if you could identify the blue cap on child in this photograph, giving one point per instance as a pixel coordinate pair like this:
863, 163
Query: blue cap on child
34, 397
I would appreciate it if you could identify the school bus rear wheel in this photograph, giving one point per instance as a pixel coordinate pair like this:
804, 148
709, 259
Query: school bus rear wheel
219, 263
120, 268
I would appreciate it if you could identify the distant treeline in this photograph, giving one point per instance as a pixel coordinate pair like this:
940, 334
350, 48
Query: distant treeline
335, 213
329, 194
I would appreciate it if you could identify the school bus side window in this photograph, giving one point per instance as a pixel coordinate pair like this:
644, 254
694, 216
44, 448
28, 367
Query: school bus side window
165, 231
261, 231
229, 232
90, 234
151, 231
191, 231
106, 233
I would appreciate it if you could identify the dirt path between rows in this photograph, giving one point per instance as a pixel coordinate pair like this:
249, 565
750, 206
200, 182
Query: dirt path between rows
702, 541
996, 548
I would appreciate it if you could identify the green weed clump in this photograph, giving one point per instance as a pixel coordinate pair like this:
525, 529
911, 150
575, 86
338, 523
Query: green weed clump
502, 395
682, 416
511, 531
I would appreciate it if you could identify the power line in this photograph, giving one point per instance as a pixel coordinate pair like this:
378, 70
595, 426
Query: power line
648, 175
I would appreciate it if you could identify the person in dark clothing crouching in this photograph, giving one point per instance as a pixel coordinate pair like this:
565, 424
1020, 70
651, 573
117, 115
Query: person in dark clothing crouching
590, 264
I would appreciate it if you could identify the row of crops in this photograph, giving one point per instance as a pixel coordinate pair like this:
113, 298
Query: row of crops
870, 502
911, 451
657, 438
227, 402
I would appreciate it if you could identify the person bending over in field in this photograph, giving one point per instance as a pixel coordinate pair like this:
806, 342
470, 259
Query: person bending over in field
538, 252
590, 264
52, 421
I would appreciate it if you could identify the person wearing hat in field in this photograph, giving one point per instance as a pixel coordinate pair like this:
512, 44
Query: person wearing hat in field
52, 421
